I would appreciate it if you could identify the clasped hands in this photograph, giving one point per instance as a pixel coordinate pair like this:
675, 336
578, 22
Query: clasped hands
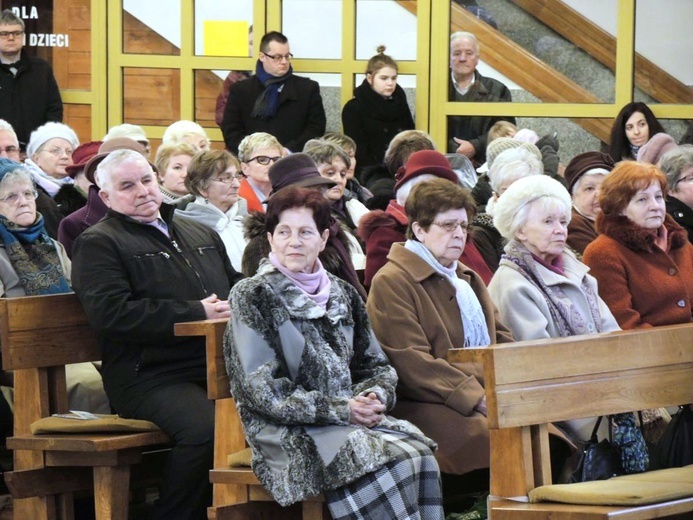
366, 410
216, 308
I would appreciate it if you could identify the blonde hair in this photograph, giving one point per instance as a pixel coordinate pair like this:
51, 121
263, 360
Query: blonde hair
166, 151
252, 142
501, 129
380, 60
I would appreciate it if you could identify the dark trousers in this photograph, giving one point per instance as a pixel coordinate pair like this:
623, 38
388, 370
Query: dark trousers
183, 411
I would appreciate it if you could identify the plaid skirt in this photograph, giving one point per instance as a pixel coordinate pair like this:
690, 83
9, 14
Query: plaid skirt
407, 487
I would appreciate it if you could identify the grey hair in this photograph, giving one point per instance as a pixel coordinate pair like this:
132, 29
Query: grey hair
19, 174
256, 141
7, 127
104, 171
513, 164
464, 34
404, 190
512, 209
674, 162
7, 17
593, 171
323, 151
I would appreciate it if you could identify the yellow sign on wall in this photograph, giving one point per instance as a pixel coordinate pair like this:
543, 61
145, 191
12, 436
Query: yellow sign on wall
225, 38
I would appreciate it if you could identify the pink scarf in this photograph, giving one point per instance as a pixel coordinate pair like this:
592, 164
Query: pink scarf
315, 285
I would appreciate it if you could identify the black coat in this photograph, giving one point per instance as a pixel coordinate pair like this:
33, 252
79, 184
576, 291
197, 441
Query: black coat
135, 284
300, 115
475, 128
31, 98
372, 121
682, 214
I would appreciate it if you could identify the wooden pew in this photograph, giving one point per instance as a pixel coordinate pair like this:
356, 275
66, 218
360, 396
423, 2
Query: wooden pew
234, 488
40, 335
532, 383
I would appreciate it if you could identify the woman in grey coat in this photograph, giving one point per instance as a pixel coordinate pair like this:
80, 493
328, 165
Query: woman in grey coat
312, 385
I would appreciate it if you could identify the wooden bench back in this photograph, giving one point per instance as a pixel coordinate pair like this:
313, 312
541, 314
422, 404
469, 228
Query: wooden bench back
532, 383
45, 331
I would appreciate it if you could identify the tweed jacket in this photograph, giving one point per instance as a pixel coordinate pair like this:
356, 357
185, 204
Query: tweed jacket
581, 231
293, 367
523, 306
643, 285
416, 319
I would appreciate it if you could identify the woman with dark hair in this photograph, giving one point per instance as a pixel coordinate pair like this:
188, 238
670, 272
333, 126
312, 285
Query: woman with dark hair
642, 258
424, 302
214, 178
377, 112
634, 125
312, 385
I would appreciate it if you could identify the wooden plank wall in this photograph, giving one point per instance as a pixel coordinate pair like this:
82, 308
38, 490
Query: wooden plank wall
151, 96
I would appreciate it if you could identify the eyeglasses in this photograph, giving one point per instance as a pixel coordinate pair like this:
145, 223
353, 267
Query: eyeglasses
59, 151
687, 179
6, 34
451, 225
263, 159
279, 57
9, 150
228, 179
13, 198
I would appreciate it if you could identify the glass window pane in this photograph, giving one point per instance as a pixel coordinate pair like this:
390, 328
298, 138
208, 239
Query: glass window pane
151, 96
146, 31
565, 54
311, 36
331, 92
224, 28
664, 44
398, 34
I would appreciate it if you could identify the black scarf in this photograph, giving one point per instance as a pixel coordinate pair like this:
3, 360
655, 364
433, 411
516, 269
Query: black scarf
267, 103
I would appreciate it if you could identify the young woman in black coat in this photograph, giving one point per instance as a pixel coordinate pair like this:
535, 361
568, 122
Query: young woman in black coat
378, 111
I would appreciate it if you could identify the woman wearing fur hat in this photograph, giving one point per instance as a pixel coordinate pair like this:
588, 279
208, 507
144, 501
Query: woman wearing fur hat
642, 258
584, 175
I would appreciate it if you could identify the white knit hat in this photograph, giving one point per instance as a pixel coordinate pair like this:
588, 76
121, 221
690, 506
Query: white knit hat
49, 131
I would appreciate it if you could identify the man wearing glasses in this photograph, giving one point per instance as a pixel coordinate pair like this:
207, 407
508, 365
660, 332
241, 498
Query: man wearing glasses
274, 101
29, 94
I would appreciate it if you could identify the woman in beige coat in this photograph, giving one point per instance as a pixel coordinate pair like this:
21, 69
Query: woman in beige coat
424, 302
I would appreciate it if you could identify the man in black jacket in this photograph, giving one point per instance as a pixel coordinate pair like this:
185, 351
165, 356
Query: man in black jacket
29, 94
274, 101
137, 272
467, 135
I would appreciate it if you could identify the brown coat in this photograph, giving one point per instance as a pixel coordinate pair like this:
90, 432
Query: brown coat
581, 232
416, 319
642, 285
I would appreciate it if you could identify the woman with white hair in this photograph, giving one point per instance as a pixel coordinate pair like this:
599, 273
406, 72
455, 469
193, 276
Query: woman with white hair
185, 131
507, 167
540, 288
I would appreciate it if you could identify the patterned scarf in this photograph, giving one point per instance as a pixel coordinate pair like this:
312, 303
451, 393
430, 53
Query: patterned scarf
473, 319
565, 316
267, 103
315, 285
34, 258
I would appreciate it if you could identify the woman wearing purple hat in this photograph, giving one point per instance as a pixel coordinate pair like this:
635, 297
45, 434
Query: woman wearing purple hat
584, 176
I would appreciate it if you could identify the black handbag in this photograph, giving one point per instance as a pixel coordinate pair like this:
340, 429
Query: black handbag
675, 448
600, 460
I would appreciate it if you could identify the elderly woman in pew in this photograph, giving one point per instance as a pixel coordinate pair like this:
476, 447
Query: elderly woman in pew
313, 386
423, 303
642, 258
32, 264
677, 165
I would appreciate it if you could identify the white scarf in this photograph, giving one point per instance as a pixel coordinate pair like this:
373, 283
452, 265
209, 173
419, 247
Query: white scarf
473, 319
48, 183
